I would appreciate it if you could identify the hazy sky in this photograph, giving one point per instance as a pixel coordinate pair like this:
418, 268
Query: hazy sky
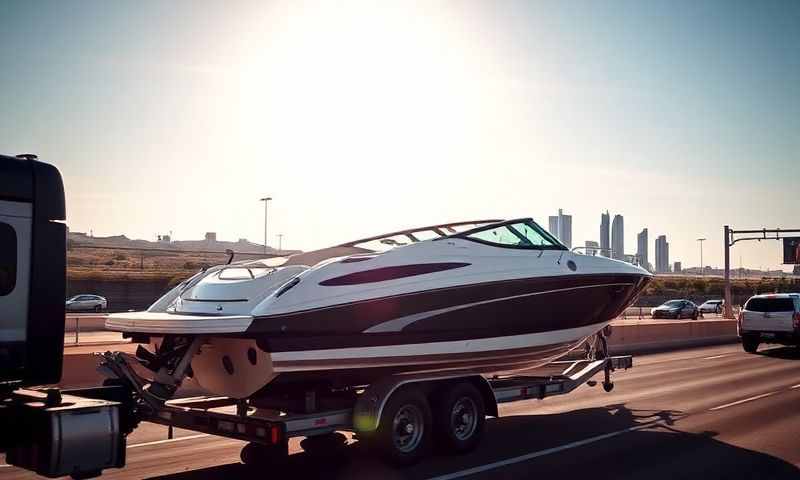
370, 116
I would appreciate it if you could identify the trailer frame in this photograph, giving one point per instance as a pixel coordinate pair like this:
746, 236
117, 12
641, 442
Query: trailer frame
232, 418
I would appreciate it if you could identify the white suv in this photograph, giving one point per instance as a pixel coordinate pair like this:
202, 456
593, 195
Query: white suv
773, 318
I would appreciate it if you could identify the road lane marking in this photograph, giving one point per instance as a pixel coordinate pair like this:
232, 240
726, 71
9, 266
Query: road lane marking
717, 356
794, 386
542, 453
169, 440
4, 465
739, 402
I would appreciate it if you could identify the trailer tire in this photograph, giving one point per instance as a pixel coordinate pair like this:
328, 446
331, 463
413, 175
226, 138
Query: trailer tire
459, 417
404, 432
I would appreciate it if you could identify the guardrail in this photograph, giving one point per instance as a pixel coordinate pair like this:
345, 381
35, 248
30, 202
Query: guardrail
75, 322
642, 313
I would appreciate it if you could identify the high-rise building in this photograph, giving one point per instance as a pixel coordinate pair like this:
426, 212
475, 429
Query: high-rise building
605, 234
641, 249
618, 238
591, 247
552, 225
678, 268
662, 254
561, 227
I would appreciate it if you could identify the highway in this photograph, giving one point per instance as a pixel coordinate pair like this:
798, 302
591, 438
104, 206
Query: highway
712, 412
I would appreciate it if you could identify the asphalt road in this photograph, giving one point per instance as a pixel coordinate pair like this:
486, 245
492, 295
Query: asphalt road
704, 413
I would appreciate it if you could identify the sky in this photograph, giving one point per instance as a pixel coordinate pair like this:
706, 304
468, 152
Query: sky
364, 117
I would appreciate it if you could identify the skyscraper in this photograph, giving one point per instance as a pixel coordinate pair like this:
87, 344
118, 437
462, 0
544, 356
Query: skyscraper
605, 233
561, 227
641, 248
662, 254
591, 247
618, 238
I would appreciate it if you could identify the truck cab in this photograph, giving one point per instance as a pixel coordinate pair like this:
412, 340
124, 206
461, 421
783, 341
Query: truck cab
772, 318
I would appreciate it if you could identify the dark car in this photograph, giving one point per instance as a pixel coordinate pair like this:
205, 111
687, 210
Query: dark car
676, 309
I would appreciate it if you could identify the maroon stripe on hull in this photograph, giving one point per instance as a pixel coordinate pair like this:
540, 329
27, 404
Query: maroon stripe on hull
390, 273
563, 307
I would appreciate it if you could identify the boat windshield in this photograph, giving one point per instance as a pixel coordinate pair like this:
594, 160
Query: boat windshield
381, 243
523, 233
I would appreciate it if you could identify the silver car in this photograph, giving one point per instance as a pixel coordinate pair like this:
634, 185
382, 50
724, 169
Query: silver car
86, 303
711, 306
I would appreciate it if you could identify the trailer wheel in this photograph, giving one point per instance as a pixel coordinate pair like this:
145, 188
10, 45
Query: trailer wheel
404, 429
255, 454
460, 418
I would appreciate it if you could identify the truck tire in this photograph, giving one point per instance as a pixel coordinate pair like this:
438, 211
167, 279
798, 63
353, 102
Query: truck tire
404, 432
750, 343
459, 416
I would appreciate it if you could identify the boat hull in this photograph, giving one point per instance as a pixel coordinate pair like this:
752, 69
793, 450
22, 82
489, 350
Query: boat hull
498, 328
236, 367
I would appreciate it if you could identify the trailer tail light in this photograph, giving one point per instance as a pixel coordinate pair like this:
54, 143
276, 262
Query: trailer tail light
276, 434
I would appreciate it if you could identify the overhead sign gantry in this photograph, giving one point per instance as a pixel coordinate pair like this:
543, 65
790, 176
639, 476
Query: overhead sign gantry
791, 252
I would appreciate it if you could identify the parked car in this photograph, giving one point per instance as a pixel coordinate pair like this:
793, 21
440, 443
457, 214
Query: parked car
676, 309
711, 306
86, 303
773, 318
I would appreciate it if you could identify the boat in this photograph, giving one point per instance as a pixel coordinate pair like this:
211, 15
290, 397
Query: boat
494, 297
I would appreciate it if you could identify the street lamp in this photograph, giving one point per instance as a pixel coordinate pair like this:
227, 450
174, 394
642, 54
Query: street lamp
702, 269
266, 200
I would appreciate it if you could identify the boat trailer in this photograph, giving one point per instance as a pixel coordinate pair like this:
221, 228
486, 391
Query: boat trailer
268, 430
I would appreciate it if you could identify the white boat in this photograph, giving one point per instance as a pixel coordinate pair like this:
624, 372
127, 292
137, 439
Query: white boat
488, 296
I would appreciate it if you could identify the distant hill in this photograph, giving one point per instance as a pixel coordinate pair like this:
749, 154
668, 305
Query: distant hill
82, 240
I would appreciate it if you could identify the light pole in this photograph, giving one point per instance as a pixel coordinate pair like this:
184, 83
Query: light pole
702, 269
266, 200
280, 242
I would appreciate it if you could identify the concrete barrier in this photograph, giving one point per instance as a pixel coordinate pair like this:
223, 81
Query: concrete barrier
85, 322
660, 335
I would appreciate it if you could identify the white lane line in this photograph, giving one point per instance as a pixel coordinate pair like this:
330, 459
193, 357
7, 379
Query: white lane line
739, 402
4, 465
717, 356
541, 453
169, 440
794, 386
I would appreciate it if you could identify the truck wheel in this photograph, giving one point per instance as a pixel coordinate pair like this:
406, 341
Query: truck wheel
459, 418
750, 344
404, 430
